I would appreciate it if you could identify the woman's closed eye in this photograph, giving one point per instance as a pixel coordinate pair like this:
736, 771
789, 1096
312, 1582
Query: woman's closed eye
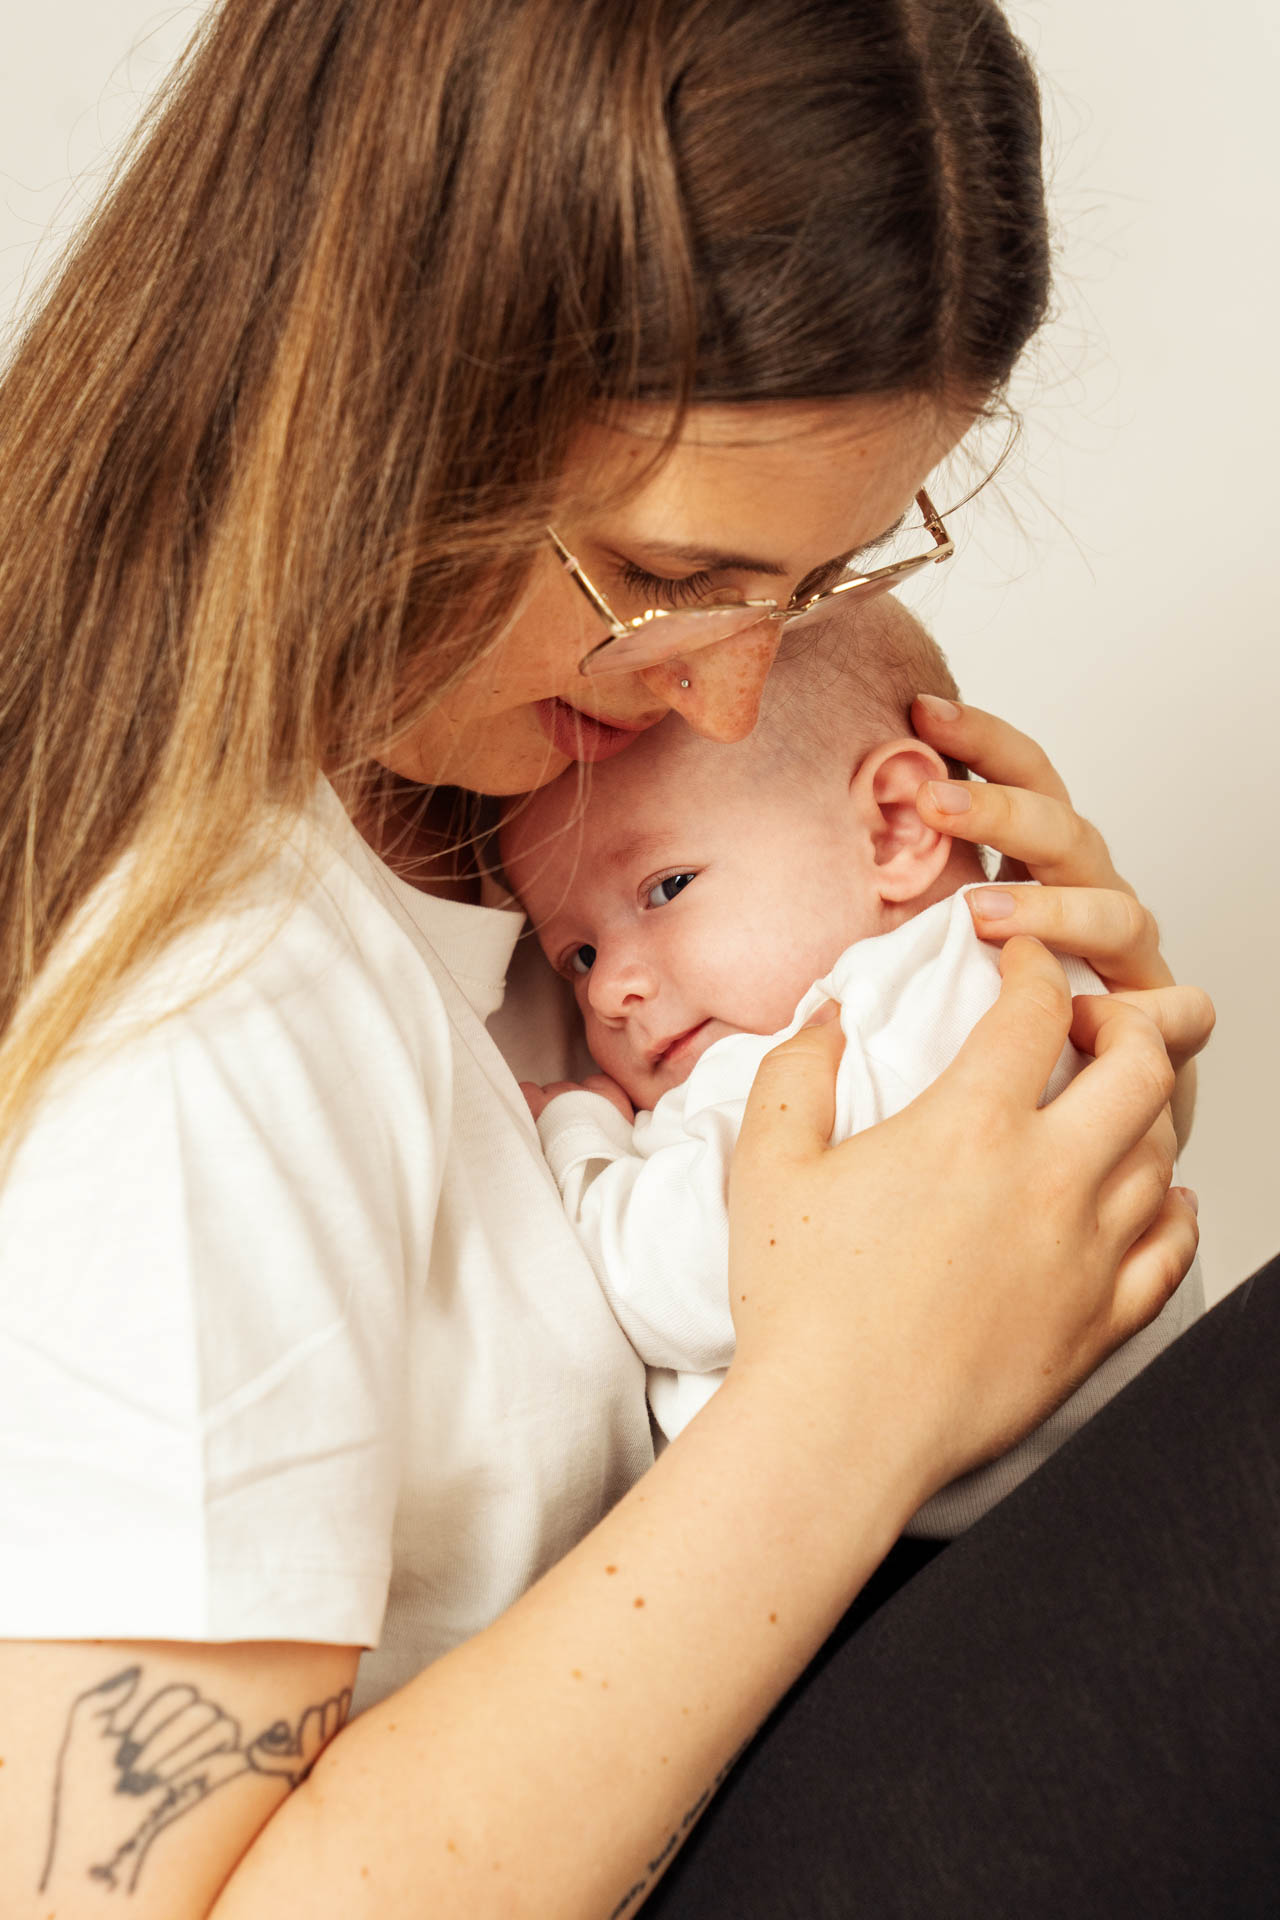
660, 893
655, 591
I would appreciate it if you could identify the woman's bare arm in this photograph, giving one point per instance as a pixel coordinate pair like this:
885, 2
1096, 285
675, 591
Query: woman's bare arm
140, 1772
551, 1766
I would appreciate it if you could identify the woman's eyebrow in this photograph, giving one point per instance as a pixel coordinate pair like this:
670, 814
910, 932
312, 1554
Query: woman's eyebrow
717, 560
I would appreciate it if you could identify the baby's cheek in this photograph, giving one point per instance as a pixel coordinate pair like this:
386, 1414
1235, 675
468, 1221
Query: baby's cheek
602, 1042
608, 1048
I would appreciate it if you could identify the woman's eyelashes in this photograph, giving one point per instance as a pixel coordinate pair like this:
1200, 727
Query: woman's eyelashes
657, 591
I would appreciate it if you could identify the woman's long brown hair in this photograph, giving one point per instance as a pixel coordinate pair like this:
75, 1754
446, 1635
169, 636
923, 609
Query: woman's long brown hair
278, 447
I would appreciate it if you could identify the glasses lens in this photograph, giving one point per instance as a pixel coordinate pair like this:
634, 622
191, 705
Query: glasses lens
660, 640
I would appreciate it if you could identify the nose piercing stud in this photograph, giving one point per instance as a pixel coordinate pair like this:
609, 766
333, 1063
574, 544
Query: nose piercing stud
685, 685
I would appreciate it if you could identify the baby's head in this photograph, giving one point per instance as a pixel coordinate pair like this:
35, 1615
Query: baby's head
690, 889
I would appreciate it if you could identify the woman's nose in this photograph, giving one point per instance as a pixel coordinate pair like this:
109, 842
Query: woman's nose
717, 689
618, 983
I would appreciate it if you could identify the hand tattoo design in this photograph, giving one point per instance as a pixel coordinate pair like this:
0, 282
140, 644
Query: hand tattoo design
158, 1758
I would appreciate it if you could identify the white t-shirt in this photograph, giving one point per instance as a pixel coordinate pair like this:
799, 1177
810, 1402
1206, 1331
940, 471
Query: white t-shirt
293, 1330
650, 1201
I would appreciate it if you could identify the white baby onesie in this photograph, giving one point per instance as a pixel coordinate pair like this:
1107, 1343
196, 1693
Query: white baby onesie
650, 1200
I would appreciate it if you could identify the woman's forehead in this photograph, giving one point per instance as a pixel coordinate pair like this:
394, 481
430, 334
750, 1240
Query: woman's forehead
768, 490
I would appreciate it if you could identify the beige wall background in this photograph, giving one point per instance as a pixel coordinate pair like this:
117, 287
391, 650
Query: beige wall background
1116, 592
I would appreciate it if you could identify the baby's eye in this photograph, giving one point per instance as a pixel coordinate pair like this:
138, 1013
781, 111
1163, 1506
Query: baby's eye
664, 891
581, 959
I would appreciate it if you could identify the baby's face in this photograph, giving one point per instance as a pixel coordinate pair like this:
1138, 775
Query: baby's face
685, 902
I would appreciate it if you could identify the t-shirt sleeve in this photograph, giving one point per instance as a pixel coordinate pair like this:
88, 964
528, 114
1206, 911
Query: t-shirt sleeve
206, 1245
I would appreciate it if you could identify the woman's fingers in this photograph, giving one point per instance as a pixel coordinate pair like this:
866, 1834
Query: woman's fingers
995, 750
1044, 831
792, 1106
1132, 1195
1114, 1102
1106, 926
1012, 1050
1185, 1018
1156, 1264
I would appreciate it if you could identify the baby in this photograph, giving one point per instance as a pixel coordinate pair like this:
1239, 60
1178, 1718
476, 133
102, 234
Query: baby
693, 893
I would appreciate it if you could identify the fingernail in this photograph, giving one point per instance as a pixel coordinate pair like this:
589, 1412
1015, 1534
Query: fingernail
939, 708
821, 1015
1191, 1197
990, 903
950, 796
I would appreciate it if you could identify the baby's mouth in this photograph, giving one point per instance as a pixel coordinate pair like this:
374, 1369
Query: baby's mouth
680, 1051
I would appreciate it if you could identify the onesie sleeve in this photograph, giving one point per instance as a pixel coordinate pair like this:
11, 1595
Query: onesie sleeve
650, 1205
206, 1244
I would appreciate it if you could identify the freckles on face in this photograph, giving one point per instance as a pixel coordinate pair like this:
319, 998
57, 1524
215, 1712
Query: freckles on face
524, 714
750, 502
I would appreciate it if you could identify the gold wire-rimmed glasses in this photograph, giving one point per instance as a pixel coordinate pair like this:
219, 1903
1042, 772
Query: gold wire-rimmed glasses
660, 634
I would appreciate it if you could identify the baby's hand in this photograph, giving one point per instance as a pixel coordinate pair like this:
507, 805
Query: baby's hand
538, 1097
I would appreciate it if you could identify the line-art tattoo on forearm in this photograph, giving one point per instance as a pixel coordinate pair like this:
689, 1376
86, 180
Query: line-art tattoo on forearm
150, 1757
674, 1842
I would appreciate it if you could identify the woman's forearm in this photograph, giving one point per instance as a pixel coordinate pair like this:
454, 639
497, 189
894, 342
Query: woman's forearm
552, 1765
549, 1766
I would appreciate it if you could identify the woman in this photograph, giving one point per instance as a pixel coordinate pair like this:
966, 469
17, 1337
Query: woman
385, 292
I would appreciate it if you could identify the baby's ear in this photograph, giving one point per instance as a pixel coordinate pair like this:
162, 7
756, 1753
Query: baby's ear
908, 854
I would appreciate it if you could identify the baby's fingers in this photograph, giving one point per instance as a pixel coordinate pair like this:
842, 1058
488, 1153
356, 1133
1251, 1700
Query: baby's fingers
609, 1090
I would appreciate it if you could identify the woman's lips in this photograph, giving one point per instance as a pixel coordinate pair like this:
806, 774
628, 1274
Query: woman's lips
580, 736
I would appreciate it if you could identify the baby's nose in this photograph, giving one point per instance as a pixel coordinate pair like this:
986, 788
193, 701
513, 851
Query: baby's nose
619, 983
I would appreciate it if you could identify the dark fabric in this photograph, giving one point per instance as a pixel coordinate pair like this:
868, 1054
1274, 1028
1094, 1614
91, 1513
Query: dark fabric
1073, 1710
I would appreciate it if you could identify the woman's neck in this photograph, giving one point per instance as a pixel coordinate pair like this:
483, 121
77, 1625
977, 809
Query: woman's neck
429, 837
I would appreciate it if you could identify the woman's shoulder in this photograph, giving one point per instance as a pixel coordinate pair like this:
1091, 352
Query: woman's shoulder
307, 942
285, 1062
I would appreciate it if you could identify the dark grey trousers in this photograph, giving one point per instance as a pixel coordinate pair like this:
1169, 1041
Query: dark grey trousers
1073, 1710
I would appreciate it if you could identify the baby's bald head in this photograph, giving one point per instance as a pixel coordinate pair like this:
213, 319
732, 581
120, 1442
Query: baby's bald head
846, 680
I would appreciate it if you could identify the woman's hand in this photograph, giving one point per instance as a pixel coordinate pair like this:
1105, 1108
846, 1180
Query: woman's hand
1081, 905
965, 1264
